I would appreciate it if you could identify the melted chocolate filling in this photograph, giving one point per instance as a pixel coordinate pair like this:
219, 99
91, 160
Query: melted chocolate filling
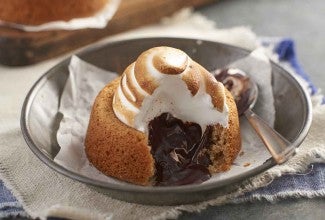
177, 150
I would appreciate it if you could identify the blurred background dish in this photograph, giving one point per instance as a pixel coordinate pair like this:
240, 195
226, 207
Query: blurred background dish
36, 12
19, 48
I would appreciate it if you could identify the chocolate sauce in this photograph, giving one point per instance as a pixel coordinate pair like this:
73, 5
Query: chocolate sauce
177, 150
240, 86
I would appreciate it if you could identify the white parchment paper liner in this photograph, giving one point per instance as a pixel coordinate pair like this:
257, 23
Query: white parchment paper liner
84, 83
99, 20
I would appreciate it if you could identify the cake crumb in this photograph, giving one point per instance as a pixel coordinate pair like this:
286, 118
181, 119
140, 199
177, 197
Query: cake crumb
241, 153
247, 164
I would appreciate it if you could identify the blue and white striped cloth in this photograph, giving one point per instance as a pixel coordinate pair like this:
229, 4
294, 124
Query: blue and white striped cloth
8, 203
308, 184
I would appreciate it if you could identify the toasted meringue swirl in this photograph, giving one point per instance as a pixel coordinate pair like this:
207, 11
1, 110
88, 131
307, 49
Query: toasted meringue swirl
165, 79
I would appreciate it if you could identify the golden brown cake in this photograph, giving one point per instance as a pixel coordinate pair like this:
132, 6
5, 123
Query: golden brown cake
35, 12
165, 121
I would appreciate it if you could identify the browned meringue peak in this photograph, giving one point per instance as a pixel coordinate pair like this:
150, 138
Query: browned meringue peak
158, 65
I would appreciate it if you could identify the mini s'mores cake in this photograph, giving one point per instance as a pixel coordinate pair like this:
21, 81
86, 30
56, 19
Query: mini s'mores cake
165, 121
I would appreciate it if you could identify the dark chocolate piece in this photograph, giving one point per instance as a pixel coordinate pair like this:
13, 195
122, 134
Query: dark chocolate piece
177, 150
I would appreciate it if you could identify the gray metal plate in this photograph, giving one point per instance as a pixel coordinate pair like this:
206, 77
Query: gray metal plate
292, 104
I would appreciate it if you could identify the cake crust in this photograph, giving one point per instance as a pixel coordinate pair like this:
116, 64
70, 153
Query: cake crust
113, 147
225, 142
